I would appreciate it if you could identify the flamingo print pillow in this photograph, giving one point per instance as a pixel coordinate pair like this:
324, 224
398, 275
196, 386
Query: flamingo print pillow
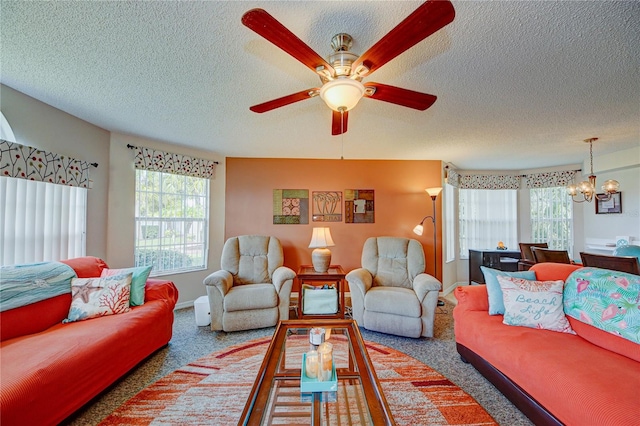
535, 304
99, 297
608, 300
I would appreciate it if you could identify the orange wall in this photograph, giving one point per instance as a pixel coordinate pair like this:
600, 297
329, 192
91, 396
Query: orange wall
400, 203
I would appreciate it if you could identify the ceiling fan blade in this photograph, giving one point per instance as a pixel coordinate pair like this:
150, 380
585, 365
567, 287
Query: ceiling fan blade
404, 97
268, 27
285, 100
431, 16
338, 127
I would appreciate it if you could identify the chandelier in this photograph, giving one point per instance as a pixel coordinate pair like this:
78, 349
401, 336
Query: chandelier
588, 188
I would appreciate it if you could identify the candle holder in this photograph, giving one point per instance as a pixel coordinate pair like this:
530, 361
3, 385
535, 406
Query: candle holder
319, 363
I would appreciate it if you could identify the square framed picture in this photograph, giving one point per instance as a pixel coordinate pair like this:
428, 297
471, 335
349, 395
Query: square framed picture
612, 205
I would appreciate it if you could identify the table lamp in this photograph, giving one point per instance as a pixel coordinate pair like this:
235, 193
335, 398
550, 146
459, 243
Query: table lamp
321, 255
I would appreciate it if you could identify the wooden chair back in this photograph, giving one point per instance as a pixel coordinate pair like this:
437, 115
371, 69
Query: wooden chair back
547, 255
525, 250
629, 264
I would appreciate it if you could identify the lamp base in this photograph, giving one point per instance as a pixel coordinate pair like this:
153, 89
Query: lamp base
321, 259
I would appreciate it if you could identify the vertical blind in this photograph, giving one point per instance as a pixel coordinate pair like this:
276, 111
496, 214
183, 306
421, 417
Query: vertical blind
487, 217
552, 218
41, 221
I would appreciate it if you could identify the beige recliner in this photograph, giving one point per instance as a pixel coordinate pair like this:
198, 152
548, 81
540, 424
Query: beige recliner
391, 293
252, 290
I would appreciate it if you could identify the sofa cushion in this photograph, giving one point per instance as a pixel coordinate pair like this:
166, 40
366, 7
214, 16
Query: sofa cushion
138, 281
605, 340
496, 305
393, 300
34, 318
87, 266
99, 297
608, 300
535, 304
250, 296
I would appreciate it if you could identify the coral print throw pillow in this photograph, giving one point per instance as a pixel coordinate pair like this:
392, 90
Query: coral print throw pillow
98, 297
535, 304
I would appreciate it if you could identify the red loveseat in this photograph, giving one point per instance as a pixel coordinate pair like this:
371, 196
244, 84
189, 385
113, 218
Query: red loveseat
48, 369
591, 378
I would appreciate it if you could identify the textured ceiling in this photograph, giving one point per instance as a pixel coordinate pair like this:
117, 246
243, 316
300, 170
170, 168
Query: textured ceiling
519, 83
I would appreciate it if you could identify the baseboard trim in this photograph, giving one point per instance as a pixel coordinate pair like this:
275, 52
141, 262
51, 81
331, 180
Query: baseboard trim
182, 305
450, 288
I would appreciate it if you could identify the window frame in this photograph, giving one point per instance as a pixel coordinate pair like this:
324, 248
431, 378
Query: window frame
167, 223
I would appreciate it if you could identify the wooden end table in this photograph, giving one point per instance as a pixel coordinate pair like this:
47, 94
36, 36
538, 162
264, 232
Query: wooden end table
335, 275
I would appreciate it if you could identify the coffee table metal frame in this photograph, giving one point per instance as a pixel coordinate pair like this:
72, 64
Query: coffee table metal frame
272, 373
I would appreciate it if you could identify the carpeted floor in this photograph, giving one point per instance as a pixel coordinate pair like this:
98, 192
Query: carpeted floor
191, 342
417, 395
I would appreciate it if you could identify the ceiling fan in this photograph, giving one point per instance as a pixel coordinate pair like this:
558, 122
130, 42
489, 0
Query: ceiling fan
343, 72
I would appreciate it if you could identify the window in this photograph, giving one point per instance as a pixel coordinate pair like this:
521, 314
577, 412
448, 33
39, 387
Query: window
171, 222
449, 220
487, 217
41, 221
551, 218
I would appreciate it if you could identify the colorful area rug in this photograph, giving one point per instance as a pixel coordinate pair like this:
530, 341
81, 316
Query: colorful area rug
213, 390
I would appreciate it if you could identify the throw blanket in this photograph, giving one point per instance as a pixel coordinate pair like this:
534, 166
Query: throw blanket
22, 285
608, 300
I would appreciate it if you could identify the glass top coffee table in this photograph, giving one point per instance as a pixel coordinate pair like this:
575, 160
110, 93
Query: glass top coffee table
276, 396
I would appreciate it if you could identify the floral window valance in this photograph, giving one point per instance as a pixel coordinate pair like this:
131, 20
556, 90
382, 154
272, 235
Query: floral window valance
453, 178
489, 182
26, 162
550, 179
160, 161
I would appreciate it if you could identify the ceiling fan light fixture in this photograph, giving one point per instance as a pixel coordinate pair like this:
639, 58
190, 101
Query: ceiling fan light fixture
342, 94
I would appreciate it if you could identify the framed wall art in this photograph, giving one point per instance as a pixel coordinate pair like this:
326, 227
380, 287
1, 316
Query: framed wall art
612, 205
326, 206
359, 206
290, 206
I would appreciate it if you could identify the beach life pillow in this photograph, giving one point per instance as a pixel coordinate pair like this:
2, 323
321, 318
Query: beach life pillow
608, 300
535, 304
99, 297
139, 280
496, 305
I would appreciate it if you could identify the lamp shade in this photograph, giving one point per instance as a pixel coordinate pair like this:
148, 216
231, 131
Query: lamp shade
418, 230
342, 93
321, 238
433, 192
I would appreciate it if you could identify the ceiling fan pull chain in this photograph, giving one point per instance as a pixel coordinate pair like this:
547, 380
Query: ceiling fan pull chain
342, 132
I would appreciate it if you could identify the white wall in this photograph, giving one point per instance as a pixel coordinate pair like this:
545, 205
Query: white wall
110, 211
121, 212
623, 166
40, 125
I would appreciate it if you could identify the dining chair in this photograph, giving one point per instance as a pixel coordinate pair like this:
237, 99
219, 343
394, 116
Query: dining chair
629, 264
526, 256
541, 254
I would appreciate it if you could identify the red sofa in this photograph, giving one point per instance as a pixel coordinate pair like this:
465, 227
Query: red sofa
553, 378
48, 369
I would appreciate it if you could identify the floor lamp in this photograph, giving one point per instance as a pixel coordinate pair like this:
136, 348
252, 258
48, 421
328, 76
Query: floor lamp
419, 229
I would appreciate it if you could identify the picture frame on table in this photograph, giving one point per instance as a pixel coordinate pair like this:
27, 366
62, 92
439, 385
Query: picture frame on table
612, 205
